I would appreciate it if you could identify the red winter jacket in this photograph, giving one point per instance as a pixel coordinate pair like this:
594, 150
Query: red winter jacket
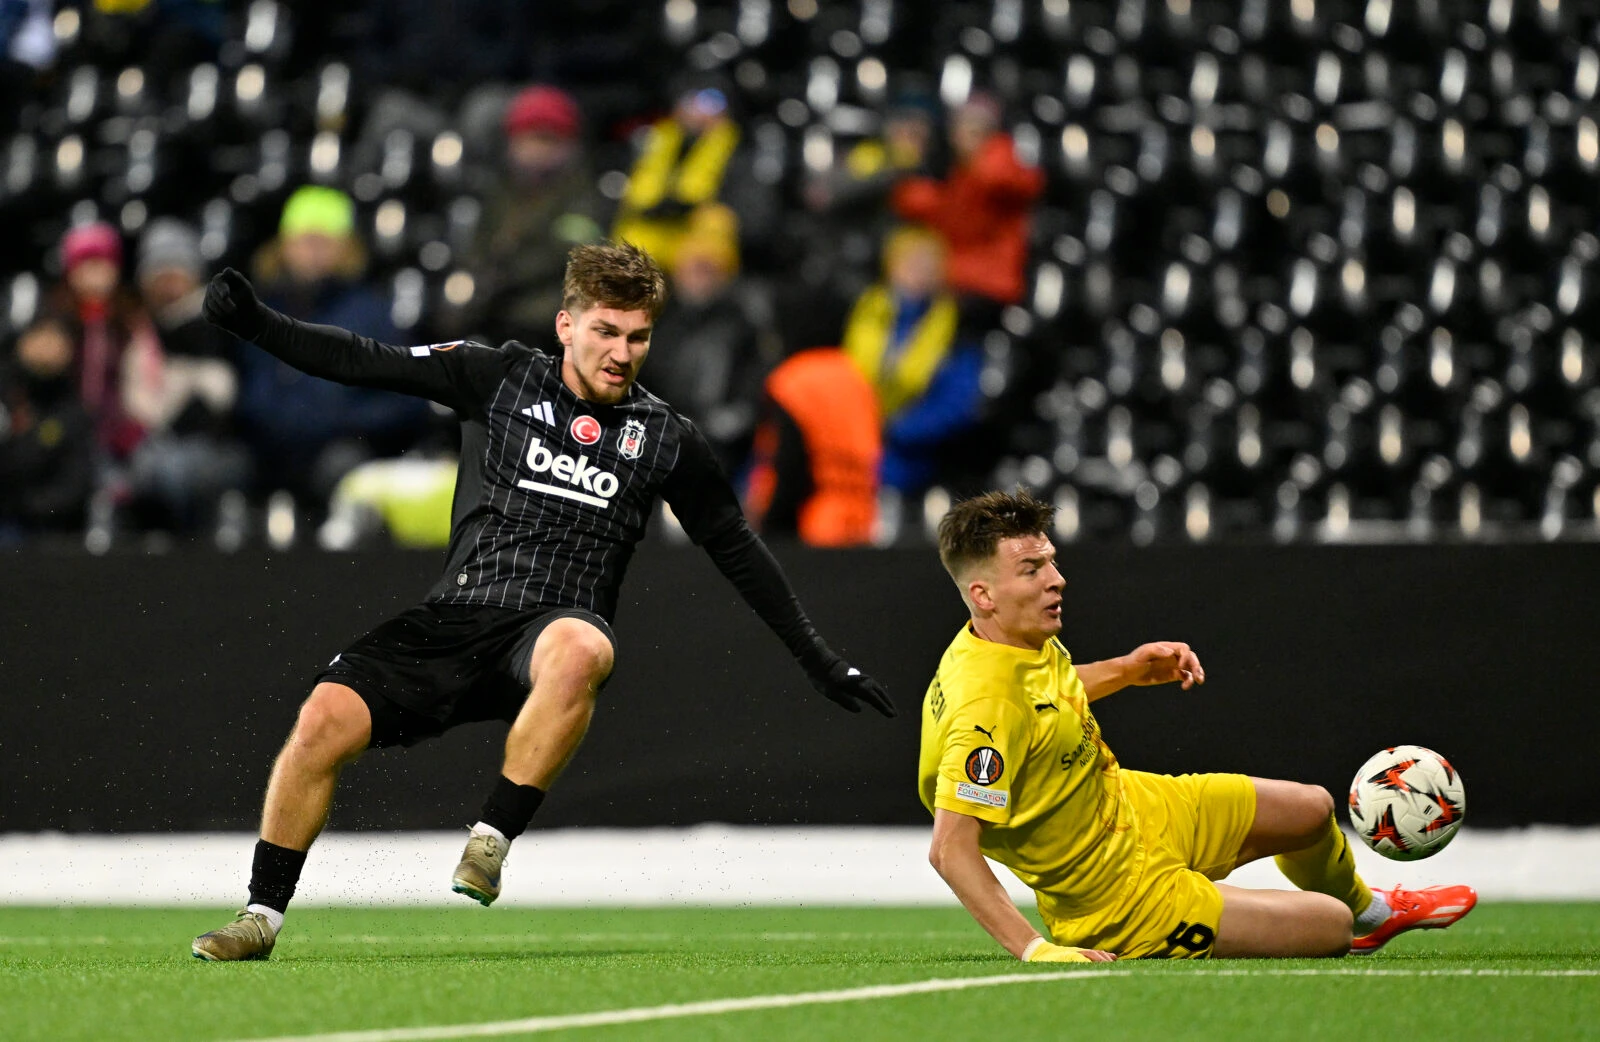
982, 210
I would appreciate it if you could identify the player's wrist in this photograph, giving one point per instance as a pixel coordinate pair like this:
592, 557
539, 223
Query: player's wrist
1032, 947
819, 660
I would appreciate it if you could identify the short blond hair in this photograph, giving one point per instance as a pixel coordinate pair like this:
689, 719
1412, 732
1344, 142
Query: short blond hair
613, 275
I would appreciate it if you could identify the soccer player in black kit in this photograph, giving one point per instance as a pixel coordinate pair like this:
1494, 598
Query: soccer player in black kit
562, 461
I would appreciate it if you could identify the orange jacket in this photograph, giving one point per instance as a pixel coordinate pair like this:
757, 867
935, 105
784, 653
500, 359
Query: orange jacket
834, 408
982, 210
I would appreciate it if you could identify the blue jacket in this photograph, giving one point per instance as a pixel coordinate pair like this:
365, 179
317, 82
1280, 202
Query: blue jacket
286, 412
913, 436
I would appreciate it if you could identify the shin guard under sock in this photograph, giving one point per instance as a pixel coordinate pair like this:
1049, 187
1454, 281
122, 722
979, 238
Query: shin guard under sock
1327, 867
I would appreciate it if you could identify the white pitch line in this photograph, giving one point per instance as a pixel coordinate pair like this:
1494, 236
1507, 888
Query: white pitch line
590, 937
1379, 971
602, 1018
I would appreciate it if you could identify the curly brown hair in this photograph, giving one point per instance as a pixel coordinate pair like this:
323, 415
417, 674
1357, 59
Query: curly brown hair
613, 275
973, 528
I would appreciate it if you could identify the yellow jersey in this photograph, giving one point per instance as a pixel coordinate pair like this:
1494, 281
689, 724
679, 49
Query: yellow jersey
1008, 738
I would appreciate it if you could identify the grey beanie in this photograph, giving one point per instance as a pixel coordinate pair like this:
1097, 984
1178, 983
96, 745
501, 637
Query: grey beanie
169, 243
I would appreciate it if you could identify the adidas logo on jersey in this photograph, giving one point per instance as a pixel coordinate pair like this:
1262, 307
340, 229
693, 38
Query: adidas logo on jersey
543, 412
598, 486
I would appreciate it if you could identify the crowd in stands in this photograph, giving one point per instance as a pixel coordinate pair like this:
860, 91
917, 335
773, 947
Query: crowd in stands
888, 285
124, 409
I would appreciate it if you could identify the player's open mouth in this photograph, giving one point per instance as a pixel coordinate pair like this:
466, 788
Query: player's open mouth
616, 376
1053, 610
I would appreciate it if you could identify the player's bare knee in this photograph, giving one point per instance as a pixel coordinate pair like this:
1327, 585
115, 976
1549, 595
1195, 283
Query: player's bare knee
1315, 810
334, 725
575, 653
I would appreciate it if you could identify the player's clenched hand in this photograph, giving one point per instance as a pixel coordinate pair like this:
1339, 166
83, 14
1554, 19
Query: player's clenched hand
1163, 663
231, 303
848, 686
1044, 951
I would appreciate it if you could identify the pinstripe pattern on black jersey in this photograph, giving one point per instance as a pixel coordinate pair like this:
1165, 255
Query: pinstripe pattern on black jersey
517, 547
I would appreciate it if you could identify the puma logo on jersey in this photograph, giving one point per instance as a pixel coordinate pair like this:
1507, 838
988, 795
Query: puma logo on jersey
584, 483
984, 731
544, 412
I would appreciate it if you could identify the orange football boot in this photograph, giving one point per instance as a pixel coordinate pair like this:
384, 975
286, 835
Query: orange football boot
1432, 908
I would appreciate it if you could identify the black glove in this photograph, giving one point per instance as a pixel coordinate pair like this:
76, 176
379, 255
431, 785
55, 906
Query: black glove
231, 303
849, 687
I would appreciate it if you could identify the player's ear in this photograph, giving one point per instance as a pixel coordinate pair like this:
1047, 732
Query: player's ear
978, 594
564, 326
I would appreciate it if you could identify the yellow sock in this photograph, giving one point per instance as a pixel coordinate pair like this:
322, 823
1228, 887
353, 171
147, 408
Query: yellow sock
1327, 867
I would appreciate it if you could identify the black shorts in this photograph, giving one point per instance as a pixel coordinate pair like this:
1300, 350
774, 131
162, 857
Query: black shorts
436, 666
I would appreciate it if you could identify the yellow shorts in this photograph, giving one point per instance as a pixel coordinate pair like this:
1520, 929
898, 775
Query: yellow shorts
1191, 828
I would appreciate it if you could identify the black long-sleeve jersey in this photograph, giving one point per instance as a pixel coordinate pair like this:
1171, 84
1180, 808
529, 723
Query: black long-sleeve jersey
554, 492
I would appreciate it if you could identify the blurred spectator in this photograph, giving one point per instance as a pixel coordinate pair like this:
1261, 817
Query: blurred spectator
188, 457
425, 65
47, 445
814, 471
983, 208
847, 211
118, 353
307, 432
27, 49
904, 337
710, 348
690, 159
543, 205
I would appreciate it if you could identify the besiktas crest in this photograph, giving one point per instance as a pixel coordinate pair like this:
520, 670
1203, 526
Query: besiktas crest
631, 441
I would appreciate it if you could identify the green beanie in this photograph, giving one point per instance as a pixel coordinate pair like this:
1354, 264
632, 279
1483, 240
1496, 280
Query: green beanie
313, 208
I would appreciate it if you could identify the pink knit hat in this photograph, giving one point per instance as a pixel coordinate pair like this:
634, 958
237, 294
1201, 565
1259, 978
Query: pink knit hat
88, 241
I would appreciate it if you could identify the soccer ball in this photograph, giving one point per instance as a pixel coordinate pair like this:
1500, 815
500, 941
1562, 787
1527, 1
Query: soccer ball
1407, 802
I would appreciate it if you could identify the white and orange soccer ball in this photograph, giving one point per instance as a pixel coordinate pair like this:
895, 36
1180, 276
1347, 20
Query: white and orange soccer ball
1407, 802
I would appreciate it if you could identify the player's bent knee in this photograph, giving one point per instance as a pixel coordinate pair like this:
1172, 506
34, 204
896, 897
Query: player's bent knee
1318, 807
575, 651
334, 723
1314, 806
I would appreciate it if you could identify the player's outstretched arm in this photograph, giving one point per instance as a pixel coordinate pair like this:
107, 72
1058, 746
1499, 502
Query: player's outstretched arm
744, 559
459, 376
708, 509
955, 855
1163, 662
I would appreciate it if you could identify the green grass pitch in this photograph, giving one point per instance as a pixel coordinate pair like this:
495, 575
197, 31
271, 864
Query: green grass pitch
1507, 971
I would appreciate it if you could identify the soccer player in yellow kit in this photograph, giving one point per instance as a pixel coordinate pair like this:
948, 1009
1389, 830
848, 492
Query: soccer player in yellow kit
1123, 863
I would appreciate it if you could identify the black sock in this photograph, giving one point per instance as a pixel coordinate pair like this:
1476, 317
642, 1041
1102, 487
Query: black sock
274, 874
510, 806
